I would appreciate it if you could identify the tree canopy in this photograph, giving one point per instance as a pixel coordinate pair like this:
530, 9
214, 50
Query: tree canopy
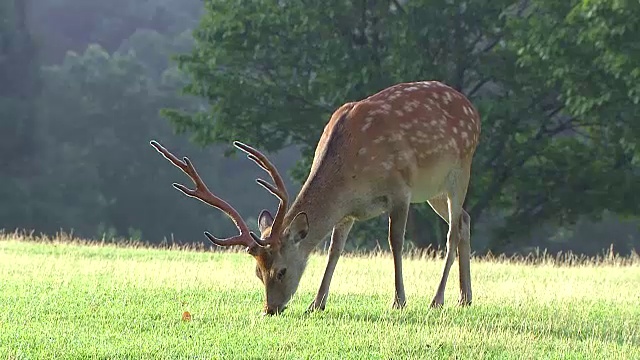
85, 84
545, 76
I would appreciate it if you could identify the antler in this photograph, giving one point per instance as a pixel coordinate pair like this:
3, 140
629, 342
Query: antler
202, 193
279, 190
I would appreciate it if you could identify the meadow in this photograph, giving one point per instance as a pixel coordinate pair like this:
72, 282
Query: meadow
69, 299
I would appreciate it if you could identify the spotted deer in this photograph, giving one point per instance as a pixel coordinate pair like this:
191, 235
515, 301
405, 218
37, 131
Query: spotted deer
409, 143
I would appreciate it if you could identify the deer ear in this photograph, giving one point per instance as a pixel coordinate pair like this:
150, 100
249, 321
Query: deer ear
264, 220
299, 227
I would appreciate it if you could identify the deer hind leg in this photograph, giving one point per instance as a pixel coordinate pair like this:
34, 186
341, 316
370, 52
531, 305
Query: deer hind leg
458, 238
338, 239
397, 224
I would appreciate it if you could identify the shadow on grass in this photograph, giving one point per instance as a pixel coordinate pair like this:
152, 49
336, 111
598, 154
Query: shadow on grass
574, 321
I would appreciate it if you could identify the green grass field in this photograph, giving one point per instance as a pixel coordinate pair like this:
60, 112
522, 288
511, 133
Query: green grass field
75, 301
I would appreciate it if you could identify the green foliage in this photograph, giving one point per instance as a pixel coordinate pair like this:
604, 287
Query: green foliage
19, 88
64, 25
556, 84
76, 155
272, 77
108, 164
587, 54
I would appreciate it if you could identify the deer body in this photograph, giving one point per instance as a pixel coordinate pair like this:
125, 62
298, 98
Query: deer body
409, 143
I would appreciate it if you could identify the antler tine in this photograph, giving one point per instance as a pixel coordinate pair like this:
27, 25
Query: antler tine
279, 190
202, 193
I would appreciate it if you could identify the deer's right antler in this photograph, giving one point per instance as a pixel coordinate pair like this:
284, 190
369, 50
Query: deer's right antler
202, 193
279, 190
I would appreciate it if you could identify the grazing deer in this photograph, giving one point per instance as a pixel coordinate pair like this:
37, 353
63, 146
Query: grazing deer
409, 143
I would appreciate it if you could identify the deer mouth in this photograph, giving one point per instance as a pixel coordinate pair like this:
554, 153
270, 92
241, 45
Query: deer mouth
274, 310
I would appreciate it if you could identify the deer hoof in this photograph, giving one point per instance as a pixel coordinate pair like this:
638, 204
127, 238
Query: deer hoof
464, 302
314, 307
437, 303
399, 304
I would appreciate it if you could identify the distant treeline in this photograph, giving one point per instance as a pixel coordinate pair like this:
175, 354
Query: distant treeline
85, 84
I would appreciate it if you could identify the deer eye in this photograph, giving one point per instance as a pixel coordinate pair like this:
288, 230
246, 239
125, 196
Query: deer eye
281, 273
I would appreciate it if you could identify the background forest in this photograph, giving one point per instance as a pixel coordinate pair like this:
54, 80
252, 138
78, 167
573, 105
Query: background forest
85, 84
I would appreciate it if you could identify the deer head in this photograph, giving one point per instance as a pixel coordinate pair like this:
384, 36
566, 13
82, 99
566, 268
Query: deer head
279, 260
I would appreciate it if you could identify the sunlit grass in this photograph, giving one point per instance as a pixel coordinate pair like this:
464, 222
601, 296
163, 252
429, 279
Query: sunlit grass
72, 300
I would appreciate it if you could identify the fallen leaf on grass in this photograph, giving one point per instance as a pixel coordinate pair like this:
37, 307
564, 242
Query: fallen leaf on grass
186, 316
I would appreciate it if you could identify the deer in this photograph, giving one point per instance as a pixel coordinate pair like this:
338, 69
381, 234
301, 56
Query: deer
409, 143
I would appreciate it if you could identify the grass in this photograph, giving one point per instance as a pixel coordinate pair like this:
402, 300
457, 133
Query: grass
73, 300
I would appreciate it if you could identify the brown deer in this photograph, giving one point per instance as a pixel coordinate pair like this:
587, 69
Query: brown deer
409, 143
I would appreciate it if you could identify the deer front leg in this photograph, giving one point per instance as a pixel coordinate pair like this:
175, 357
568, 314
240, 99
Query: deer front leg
338, 239
397, 224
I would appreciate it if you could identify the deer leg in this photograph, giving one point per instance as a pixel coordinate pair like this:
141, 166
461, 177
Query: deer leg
397, 224
338, 239
439, 205
464, 246
454, 210
464, 261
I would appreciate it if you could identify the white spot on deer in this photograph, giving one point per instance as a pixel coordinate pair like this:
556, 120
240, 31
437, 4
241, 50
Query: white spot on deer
387, 165
464, 135
399, 113
378, 140
395, 137
406, 125
434, 123
470, 109
386, 107
362, 151
395, 95
366, 126
455, 130
435, 95
428, 107
411, 88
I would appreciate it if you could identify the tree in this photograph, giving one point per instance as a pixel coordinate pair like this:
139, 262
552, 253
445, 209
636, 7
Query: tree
272, 77
20, 85
19, 89
585, 53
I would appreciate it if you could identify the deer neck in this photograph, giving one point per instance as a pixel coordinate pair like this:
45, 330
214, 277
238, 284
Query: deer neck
323, 197
322, 201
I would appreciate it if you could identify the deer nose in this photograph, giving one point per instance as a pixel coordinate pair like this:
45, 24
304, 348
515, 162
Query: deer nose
273, 310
